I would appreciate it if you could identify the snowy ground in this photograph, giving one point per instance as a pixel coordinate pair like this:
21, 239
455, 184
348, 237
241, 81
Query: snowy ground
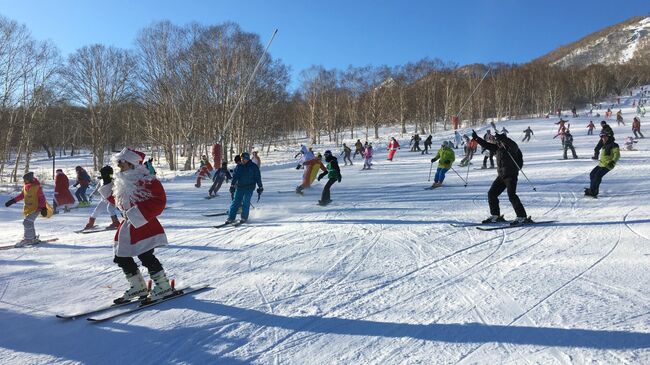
379, 276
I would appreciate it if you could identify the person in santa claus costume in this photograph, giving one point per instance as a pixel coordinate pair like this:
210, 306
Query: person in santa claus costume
62, 196
142, 198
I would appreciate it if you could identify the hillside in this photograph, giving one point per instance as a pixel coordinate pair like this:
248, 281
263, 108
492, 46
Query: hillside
622, 43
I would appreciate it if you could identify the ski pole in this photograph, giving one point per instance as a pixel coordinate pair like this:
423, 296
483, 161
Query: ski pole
430, 169
520, 169
452, 169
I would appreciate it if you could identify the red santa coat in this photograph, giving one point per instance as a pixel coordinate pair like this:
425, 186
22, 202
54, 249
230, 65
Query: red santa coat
62, 194
140, 231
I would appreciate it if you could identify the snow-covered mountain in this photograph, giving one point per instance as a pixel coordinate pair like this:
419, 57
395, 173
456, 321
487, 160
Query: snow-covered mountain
622, 43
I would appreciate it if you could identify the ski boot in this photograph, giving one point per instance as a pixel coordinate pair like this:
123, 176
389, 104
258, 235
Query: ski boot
493, 219
521, 221
138, 288
161, 287
27, 242
115, 224
299, 189
90, 224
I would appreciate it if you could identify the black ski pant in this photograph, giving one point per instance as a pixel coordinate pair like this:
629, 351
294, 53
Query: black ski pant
357, 152
148, 260
426, 149
216, 185
346, 158
526, 138
325, 196
639, 132
596, 177
498, 186
568, 147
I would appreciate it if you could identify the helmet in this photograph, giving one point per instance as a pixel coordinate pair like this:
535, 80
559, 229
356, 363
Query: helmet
444, 144
245, 156
328, 153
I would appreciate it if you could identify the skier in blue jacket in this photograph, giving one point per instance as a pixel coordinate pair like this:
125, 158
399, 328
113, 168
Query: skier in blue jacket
244, 179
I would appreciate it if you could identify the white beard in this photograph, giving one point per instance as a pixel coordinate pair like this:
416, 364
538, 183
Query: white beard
128, 187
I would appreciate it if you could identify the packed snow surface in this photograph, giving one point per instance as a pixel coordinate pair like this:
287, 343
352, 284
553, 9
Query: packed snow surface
379, 276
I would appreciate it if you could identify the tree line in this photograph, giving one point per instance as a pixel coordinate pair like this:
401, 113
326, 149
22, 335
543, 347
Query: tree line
175, 89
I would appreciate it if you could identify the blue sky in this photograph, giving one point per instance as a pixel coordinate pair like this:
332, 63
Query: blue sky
336, 33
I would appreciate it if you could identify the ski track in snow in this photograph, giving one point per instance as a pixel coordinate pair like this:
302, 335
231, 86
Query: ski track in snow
379, 276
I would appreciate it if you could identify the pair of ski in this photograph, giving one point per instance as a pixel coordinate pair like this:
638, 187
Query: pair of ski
499, 225
95, 229
13, 245
112, 311
234, 223
215, 214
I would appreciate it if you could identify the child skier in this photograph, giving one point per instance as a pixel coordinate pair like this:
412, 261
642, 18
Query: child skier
393, 146
445, 158
142, 198
568, 145
636, 128
35, 204
590, 127
62, 196
346, 154
83, 180
220, 175
333, 175
106, 173
367, 158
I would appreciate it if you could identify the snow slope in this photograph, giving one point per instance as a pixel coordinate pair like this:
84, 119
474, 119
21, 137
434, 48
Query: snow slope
379, 276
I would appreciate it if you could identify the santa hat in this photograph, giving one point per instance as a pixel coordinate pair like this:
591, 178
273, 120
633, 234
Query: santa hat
131, 156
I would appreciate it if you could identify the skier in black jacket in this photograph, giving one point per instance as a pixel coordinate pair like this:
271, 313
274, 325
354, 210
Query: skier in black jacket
333, 175
606, 129
507, 152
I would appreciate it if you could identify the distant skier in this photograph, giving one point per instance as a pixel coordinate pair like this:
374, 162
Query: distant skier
142, 198
310, 162
509, 161
504, 131
393, 146
458, 139
416, 143
470, 148
83, 181
346, 154
220, 175
203, 172
636, 128
445, 158
246, 176
590, 128
427, 144
62, 196
619, 118
367, 158
528, 132
333, 175
256, 159
561, 126
605, 129
488, 154
629, 143
568, 144
35, 204
106, 173
609, 156
574, 112
358, 148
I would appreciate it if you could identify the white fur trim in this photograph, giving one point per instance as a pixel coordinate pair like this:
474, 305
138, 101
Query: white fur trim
106, 190
124, 248
134, 215
129, 156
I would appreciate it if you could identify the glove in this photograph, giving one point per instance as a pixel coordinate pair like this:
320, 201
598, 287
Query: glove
10, 202
44, 212
474, 135
75, 185
321, 176
434, 159
260, 190
232, 189
611, 164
